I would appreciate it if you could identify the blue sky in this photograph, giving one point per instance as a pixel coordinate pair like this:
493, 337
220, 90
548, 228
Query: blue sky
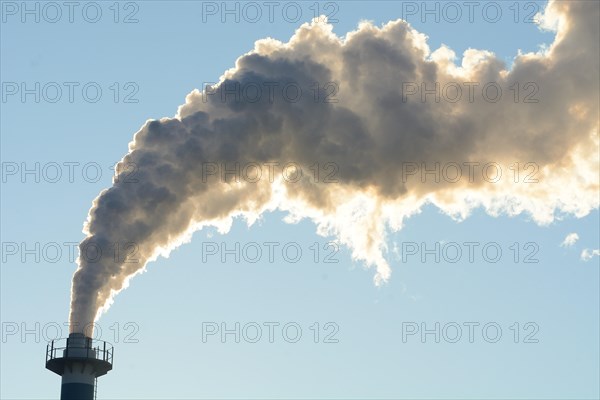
157, 323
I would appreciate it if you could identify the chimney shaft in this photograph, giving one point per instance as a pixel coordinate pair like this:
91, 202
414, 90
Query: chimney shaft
79, 360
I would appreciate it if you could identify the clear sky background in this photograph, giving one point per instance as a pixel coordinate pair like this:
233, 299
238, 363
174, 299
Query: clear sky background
156, 324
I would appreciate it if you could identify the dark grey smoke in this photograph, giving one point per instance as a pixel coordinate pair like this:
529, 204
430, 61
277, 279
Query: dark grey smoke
371, 134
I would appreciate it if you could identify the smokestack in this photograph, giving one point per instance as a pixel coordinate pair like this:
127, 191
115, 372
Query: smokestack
79, 360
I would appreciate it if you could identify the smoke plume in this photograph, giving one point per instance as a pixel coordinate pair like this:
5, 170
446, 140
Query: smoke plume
381, 149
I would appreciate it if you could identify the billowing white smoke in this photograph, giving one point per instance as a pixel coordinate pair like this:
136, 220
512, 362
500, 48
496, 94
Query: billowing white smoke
375, 134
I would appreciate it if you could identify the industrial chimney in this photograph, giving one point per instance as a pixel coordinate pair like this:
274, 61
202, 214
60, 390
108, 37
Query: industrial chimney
79, 360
